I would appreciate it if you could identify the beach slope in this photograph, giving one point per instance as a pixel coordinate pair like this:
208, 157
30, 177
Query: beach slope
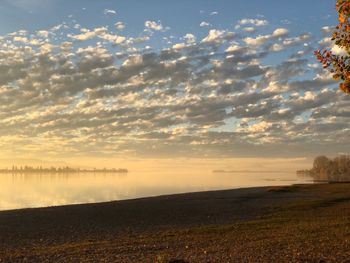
301, 223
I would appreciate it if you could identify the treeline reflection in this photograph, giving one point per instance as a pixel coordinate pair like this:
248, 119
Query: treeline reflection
59, 170
17, 177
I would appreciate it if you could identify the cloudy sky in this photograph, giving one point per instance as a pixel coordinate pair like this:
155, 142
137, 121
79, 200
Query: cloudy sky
168, 79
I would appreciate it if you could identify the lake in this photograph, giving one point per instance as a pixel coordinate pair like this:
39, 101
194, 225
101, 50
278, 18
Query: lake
41, 190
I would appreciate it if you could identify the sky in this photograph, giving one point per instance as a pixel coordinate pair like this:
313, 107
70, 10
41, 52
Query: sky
91, 81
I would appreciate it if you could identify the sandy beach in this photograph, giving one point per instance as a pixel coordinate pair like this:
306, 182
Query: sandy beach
301, 223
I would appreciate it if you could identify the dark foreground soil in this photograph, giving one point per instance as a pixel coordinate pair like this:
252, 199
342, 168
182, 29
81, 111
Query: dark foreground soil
305, 223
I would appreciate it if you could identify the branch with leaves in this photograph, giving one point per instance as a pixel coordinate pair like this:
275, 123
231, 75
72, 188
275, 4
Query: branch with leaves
339, 65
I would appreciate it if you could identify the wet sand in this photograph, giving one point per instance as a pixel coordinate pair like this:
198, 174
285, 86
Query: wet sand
303, 223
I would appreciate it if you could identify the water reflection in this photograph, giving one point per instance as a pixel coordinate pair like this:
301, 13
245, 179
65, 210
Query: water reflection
41, 189
60, 176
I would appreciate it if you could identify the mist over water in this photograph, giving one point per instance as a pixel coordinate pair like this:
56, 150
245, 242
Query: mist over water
41, 190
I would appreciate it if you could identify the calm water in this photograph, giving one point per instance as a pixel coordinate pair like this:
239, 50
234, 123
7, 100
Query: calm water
39, 190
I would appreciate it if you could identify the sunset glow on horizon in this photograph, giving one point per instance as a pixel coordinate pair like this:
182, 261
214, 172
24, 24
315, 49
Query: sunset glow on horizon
174, 131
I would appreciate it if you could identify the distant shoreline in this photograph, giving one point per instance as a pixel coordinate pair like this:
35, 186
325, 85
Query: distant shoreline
248, 171
61, 171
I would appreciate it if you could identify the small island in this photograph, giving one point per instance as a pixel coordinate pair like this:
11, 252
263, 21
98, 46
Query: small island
58, 170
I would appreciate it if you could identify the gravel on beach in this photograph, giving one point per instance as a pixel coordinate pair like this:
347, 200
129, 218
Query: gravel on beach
301, 223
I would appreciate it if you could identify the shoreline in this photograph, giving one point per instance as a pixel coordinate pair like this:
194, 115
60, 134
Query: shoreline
166, 194
141, 198
244, 224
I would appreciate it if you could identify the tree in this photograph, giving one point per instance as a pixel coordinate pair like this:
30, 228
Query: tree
339, 64
320, 166
320, 162
327, 169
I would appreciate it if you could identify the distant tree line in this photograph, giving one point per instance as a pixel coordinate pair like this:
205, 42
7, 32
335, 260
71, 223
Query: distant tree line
66, 169
328, 169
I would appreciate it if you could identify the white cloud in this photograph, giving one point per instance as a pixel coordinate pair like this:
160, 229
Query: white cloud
260, 40
101, 32
257, 41
109, 12
119, 26
338, 50
249, 29
190, 38
203, 23
309, 95
115, 39
217, 36
328, 43
43, 33
87, 34
255, 22
214, 35
179, 46
280, 32
234, 47
152, 25
46, 48
259, 127
327, 29
276, 47
314, 65
296, 40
